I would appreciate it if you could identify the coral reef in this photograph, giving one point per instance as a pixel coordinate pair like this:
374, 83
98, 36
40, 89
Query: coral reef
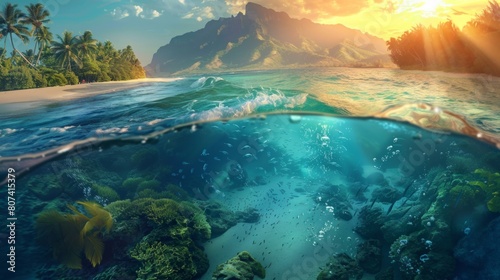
45, 187
369, 255
162, 234
241, 267
106, 193
491, 186
341, 267
160, 261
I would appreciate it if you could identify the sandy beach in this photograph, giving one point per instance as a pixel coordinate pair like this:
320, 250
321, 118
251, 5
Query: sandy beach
71, 92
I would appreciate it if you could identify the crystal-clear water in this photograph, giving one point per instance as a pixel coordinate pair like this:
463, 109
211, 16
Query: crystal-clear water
150, 182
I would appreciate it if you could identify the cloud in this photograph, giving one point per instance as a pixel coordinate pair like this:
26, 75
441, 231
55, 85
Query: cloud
311, 9
119, 13
188, 16
138, 10
155, 14
182, 2
201, 13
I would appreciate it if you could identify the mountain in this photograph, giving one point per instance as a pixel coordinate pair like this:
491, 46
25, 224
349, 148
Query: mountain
263, 38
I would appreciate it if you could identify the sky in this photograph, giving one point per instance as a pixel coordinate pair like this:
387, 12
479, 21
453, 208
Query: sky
147, 25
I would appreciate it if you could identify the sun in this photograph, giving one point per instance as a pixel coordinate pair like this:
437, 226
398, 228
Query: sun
424, 8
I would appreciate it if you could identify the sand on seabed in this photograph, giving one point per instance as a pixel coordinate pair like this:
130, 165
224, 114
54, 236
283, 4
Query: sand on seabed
70, 92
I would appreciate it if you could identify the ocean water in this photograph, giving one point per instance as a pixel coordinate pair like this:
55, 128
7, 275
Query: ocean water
317, 173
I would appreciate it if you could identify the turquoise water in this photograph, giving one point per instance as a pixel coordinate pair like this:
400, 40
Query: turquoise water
170, 180
339, 91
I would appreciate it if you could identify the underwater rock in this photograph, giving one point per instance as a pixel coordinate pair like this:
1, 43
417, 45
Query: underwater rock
45, 187
145, 158
357, 191
476, 256
386, 194
370, 223
237, 175
386, 274
122, 272
260, 180
461, 164
342, 212
418, 258
335, 196
241, 267
369, 256
250, 215
341, 267
401, 221
376, 178
221, 218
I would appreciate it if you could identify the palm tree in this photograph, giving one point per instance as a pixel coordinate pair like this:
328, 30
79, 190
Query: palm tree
86, 45
2, 36
65, 51
29, 54
128, 54
36, 16
44, 38
11, 22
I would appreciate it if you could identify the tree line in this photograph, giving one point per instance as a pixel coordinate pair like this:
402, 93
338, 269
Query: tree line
64, 60
445, 47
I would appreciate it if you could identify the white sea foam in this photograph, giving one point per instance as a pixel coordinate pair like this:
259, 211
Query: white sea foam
112, 130
6, 131
61, 129
261, 99
205, 81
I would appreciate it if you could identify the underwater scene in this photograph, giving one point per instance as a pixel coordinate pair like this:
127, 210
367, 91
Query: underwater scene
277, 196
299, 174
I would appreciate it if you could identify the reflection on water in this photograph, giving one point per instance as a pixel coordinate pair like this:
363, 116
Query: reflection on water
304, 196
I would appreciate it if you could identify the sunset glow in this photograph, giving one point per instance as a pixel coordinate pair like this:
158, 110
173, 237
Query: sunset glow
381, 18
427, 8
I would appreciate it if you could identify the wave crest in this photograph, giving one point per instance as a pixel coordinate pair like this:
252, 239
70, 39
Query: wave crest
435, 118
206, 82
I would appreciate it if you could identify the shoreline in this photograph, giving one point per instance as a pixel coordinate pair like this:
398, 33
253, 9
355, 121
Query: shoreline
72, 92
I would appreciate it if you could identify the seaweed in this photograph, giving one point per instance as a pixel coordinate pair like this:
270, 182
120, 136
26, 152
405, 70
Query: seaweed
491, 186
70, 235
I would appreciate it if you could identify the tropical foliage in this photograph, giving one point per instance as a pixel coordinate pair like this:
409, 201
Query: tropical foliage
446, 47
56, 60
